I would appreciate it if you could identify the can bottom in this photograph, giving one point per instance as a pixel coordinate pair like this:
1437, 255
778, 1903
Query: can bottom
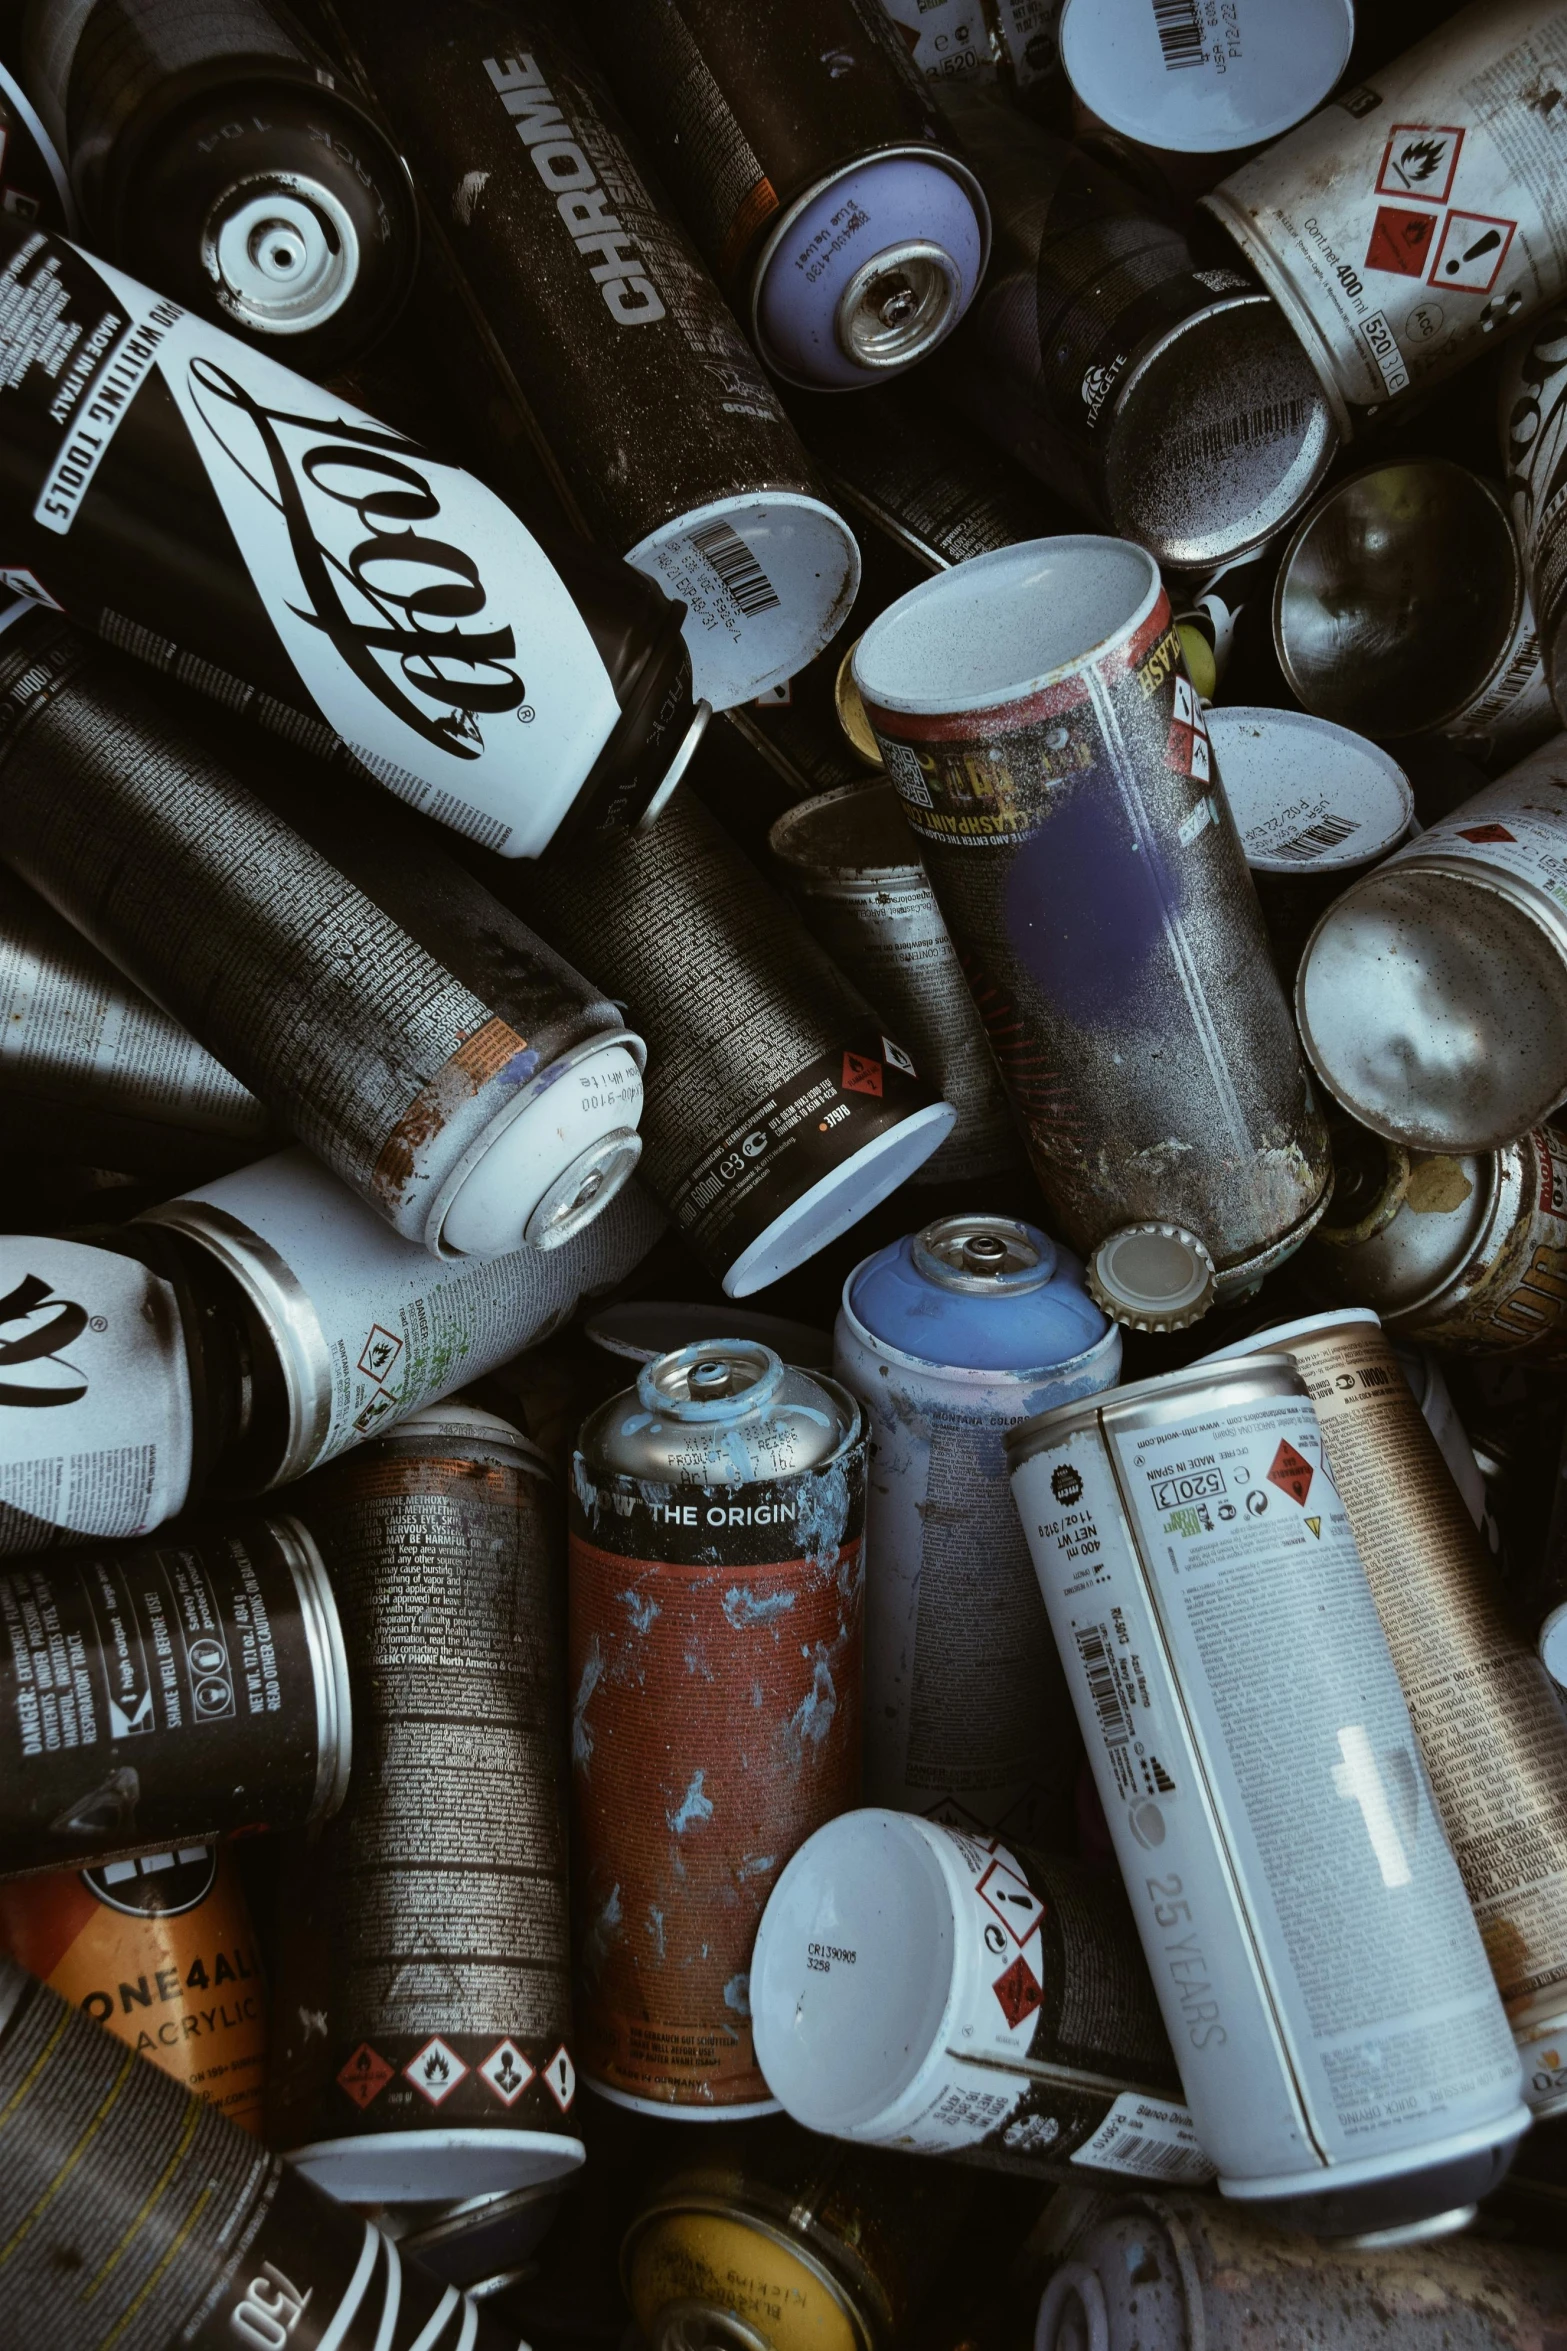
838, 1200
1416, 2191
662, 2107
1551, 1641
1233, 1281
1542, 2052
435, 2166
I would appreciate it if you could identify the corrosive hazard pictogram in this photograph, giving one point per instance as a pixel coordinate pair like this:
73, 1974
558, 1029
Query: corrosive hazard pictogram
861, 1074
1012, 1899
1469, 258
365, 2075
436, 2071
1401, 240
1291, 1473
1017, 1989
1420, 159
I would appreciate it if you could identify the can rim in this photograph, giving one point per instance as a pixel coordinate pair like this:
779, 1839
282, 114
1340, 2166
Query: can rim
1231, 717
673, 2205
329, 1660
1064, 1420
1233, 217
1280, 1338
1263, 131
905, 876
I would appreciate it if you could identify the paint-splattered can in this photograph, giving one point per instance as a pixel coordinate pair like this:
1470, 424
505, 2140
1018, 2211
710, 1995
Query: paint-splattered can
1344, 2050
1433, 996
155, 1694
161, 1952
915, 1986
612, 341
780, 1108
1491, 1726
1459, 1250
177, 2227
1534, 427
33, 181
1176, 76
949, 1338
1166, 398
1036, 720
218, 155
446, 2067
1407, 221
443, 1062
858, 877
716, 1600
814, 171
508, 693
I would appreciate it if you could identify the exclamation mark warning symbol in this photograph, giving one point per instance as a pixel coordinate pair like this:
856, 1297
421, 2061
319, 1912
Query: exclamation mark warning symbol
1469, 258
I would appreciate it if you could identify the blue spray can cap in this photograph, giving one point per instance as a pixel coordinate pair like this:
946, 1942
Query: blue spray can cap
981, 1293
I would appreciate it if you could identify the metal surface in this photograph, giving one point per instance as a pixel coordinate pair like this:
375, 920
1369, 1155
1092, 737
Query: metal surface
1199, 84
1534, 425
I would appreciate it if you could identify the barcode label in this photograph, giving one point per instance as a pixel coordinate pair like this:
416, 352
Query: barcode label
1101, 1686
727, 553
1154, 2158
1274, 420
1179, 28
1327, 833
1146, 2136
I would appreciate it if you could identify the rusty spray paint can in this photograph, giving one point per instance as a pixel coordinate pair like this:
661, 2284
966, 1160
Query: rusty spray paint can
177, 2226
716, 1601
1305, 1923
1035, 717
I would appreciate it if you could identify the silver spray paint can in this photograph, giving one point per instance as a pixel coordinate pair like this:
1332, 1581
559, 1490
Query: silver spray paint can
949, 1338
1344, 2051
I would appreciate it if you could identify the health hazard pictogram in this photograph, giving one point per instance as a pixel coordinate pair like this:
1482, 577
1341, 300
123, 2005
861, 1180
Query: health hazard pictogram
1291, 1473
365, 2075
1400, 241
1017, 1989
1485, 832
1420, 159
1012, 1899
861, 1074
560, 2079
507, 2071
1469, 258
436, 2071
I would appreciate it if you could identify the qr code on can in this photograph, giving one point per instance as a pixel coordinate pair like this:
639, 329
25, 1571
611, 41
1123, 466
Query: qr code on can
905, 773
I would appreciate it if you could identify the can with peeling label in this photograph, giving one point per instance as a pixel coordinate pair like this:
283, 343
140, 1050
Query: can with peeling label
1409, 220
178, 2228
814, 171
1489, 1719
609, 336
1165, 397
1433, 995
920, 1987
714, 1678
1534, 428
1034, 715
469, 1086
217, 154
448, 2074
250, 534
1174, 76
161, 1952
159, 1693
858, 878
948, 1338
33, 181
780, 1109
1344, 2050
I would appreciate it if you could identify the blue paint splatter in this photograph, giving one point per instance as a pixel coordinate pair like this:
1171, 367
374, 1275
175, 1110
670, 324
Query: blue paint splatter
641, 1609
592, 1675
812, 1718
655, 1927
693, 1809
743, 1607
737, 1994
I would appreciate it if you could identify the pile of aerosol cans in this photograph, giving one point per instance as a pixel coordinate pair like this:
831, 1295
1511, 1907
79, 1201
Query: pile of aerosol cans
783, 1244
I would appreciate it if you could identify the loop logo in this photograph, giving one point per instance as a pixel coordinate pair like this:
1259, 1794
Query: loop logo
35, 1329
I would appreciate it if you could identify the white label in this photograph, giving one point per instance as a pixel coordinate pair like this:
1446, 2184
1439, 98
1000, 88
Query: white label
765, 583
1518, 826
1149, 2139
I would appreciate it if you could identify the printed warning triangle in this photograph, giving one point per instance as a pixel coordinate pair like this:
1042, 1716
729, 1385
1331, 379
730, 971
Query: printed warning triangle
1291, 1473
1315, 1525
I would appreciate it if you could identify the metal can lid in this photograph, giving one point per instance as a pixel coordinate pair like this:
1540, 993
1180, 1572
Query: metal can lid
723, 1411
1153, 1277
990, 1255
857, 729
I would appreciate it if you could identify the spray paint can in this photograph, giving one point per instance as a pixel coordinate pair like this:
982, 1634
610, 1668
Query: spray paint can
33, 182
610, 337
1492, 1731
1010, 41
1432, 993
779, 1107
435, 1093
505, 692
1176, 78
948, 1338
715, 1644
859, 882
157, 1694
1344, 2051
1167, 399
1407, 222
178, 2227
918, 1987
1051, 757
814, 171
1534, 423
218, 155
161, 1952
1460, 1250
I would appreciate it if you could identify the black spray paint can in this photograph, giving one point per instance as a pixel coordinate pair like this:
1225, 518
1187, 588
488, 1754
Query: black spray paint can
607, 332
814, 171
214, 152
228, 521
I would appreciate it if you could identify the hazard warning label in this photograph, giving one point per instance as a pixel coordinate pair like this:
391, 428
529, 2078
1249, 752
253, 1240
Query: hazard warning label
861, 1075
1485, 832
1012, 1899
1473, 247
1017, 1989
1401, 240
1291, 1472
1420, 159
379, 1352
365, 2075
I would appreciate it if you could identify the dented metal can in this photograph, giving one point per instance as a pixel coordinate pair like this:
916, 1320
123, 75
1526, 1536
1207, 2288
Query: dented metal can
715, 1649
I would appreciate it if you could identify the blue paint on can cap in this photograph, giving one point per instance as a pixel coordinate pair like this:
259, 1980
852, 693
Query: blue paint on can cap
981, 1293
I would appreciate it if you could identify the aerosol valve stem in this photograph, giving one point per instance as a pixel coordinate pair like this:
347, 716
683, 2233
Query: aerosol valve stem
984, 1253
709, 1381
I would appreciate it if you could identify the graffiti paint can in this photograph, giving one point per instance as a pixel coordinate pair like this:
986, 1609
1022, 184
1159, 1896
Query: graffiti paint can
814, 171
157, 1694
609, 335
1307, 1930
161, 1952
1432, 994
1410, 219
178, 2227
481, 2244
1400, 607
1534, 422
1013, 2025
33, 181
1490, 1722
1035, 718
948, 1338
1010, 41
779, 1107
857, 876
449, 2076
506, 692
1465, 1251
220, 156
715, 1644
1174, 77
1166, 398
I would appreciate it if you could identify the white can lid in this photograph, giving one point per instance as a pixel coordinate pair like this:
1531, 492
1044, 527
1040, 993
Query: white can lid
1307, 796
1160, 72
